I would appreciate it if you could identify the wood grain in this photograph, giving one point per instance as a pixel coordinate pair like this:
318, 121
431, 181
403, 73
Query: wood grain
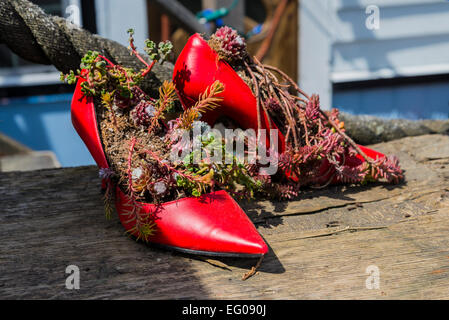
320, 245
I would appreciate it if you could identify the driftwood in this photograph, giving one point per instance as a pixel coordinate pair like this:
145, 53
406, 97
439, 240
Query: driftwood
320, 245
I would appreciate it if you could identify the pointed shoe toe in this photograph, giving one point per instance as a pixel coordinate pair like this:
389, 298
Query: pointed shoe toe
212, 224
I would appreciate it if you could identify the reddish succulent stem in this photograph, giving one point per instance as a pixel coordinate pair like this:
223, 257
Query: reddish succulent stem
256, 93
148, 68
107, 60
267, 84
306, 132
166, 165
134, 51
286, 77
347, 138
290, 118
130, 178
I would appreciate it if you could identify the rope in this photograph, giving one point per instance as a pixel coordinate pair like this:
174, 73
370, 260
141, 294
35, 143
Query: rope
45, 39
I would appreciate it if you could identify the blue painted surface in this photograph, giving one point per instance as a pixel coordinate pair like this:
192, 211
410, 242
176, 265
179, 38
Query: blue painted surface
420, 101
43, 123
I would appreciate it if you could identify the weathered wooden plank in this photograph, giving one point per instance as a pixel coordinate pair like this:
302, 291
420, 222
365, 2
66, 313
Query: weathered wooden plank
320, 246
421, 178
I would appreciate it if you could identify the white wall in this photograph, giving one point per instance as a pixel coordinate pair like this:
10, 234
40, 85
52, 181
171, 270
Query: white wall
412, 39
336, 46
315, 37
115, 17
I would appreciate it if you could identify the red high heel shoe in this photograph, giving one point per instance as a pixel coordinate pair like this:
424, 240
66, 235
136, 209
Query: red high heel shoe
198, 66
212, 224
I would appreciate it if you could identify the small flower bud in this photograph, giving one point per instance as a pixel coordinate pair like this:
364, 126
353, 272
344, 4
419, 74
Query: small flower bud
160, 187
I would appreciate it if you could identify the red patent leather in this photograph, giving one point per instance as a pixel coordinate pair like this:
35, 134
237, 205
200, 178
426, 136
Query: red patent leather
84, 121
198, 66
212, 224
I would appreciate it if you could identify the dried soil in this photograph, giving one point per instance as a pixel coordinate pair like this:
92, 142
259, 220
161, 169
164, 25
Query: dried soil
116, 136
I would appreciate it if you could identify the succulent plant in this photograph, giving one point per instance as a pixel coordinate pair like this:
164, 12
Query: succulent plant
273, 105
311, 134
229, 45
142, 114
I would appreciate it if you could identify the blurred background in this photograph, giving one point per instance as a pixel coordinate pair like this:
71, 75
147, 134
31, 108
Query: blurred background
386, 58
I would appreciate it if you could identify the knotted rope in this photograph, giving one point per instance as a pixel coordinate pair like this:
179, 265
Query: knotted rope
45, 39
